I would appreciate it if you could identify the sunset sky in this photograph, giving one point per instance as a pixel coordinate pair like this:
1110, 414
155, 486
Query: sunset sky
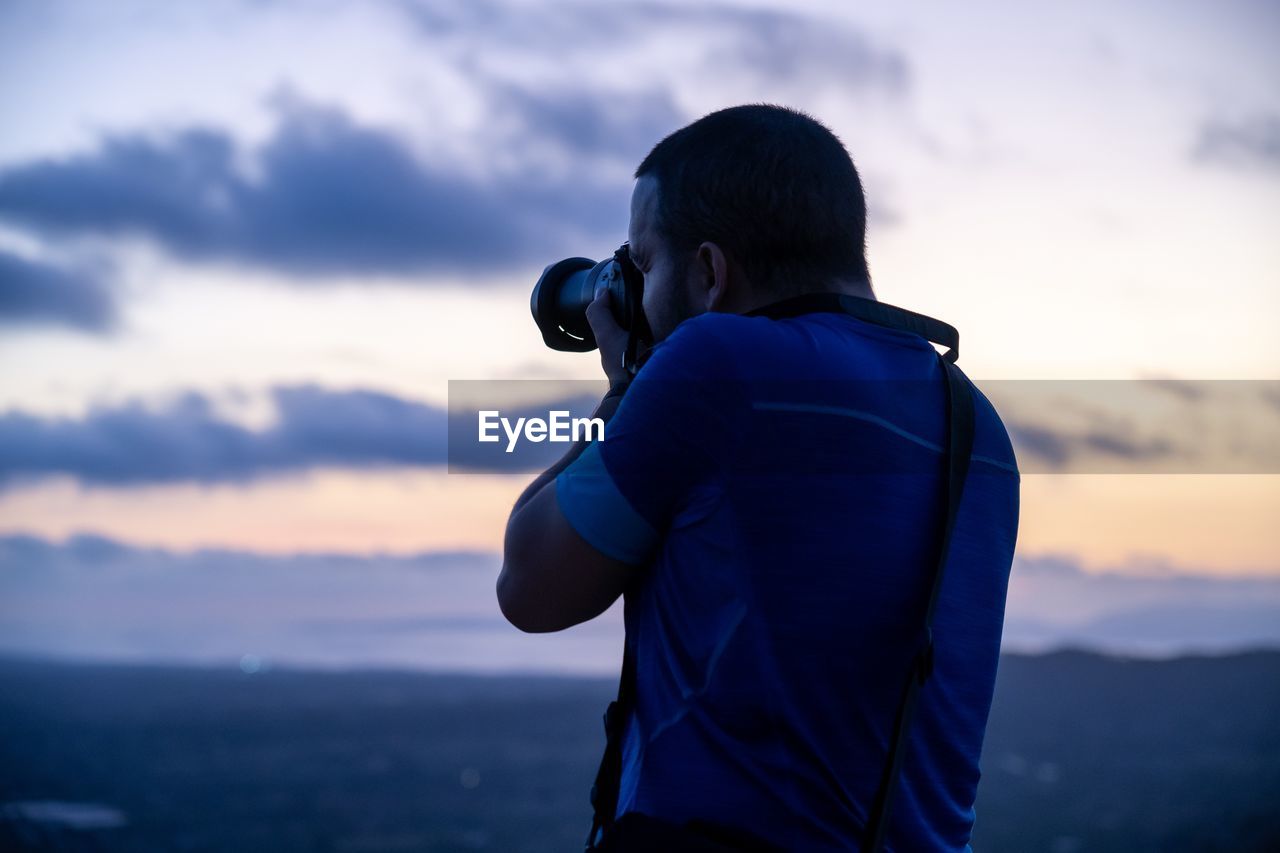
244, 247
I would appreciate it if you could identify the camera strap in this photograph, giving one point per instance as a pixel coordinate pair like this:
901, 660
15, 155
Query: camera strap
959, 447
960, 429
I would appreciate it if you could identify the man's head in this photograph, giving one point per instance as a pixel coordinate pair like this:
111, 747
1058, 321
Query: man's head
743, 207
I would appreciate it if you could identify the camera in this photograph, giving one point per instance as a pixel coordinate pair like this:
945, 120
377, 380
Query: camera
565, 289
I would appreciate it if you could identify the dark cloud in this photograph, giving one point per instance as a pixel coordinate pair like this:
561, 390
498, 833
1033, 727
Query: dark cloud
1032, 442
1042, 448
186, 440
329, 197
1122, 445
1252, 141
1142, 426
34, 293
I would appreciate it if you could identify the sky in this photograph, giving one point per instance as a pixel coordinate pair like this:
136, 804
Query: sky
245, 247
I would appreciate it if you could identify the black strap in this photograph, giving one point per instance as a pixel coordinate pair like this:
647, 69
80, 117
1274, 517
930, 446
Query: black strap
605, 790
870, 311
959, 448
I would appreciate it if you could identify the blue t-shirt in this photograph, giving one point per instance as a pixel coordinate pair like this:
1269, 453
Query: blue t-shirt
780, 481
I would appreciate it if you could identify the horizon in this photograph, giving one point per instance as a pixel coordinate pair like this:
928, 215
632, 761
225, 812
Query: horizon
92, 598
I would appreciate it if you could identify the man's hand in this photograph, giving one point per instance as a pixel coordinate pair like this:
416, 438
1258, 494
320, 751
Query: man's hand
610, 337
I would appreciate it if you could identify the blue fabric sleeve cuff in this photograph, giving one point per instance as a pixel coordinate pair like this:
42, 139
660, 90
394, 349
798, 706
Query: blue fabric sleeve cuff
594, 507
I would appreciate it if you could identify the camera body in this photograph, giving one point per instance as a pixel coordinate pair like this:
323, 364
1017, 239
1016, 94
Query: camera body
565, 289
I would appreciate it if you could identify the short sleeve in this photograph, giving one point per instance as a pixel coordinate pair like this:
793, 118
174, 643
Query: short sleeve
669, 434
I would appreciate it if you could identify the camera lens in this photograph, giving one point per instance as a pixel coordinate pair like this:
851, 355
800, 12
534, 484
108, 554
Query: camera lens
562, 294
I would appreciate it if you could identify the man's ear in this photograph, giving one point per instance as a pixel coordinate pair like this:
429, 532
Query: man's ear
713, 282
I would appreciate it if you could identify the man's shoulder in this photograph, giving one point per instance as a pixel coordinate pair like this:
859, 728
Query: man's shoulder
702, 347
717, 338
718, 329
762, 336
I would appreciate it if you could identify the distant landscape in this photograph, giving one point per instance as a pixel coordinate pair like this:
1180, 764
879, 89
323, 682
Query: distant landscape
1084, 753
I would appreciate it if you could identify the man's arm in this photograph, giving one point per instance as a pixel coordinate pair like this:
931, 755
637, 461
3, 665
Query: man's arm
551, 577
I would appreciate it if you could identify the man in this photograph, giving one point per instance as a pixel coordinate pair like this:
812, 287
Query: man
767, 495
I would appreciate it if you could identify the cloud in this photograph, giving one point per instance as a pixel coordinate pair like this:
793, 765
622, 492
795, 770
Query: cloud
328, 196
186, 439
94, 597
1041, 447
1033, 442
1119, 444
34, 293
800, 49
1141, 426
1053, 601
544, 170
734, 46
580, 122
1250, 141
1110, 426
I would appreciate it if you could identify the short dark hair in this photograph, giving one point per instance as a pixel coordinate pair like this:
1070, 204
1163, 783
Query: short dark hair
773, 186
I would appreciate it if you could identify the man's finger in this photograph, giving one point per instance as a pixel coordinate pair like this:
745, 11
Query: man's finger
600, 316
